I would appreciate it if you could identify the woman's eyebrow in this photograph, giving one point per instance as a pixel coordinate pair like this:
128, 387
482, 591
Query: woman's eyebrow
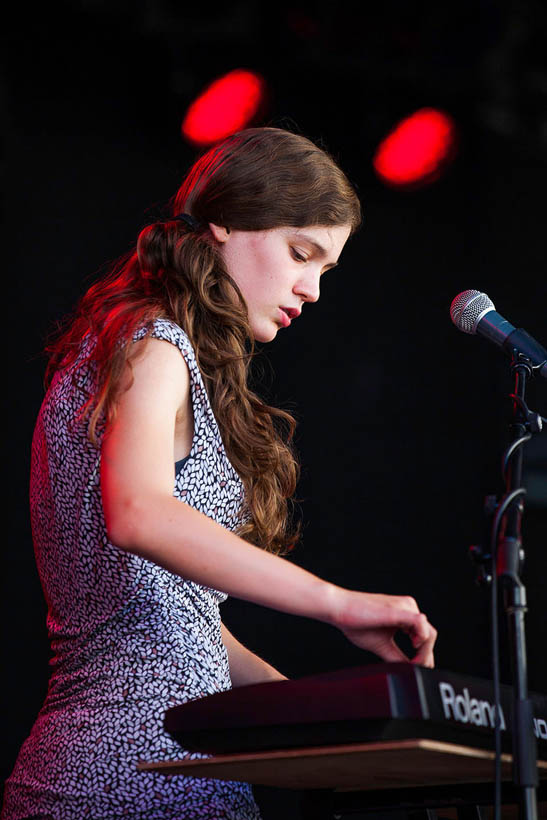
319, 249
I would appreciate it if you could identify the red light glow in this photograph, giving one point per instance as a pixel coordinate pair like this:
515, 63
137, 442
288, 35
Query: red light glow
417, 149
227, 105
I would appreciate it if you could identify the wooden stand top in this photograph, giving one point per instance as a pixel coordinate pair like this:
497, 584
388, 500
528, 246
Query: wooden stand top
356, 766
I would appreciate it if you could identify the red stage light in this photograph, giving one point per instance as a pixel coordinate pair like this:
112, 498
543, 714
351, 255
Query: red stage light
227, 105
417, 149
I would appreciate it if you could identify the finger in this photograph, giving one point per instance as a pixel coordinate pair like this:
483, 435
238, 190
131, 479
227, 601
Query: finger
422, 633
424, 655
418, 628
424, 659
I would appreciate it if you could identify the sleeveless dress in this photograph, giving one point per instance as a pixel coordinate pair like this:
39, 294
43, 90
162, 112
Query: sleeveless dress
129, 638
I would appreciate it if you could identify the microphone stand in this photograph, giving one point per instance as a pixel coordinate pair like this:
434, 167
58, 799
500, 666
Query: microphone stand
507, 556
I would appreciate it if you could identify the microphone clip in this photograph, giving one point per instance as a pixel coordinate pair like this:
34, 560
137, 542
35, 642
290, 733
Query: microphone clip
531, 420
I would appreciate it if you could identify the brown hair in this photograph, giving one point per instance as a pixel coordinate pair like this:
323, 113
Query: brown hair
257, 179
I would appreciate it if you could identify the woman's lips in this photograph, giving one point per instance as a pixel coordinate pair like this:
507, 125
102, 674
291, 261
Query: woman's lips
289, 313
285, 318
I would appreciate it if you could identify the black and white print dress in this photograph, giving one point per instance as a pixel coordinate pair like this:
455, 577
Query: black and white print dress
129, 638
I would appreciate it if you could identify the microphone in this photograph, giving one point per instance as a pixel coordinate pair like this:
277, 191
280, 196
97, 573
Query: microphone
474, 312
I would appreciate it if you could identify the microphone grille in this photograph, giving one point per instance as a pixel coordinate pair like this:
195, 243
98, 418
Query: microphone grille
468, 308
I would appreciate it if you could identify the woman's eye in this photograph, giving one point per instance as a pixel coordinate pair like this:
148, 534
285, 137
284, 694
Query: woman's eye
298, 256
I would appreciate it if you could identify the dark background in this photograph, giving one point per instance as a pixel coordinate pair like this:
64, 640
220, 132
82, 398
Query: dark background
402, 420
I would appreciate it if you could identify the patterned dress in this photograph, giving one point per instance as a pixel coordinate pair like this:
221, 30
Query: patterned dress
129, 638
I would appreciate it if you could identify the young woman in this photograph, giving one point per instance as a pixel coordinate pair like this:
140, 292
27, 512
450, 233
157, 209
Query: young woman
148, 406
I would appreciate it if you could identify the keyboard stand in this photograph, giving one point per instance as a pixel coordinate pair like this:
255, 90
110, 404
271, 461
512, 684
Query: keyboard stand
419, 776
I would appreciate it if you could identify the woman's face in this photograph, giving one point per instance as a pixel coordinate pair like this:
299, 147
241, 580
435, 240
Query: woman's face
279, 269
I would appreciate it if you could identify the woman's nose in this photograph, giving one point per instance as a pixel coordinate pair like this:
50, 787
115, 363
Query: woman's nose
307, 287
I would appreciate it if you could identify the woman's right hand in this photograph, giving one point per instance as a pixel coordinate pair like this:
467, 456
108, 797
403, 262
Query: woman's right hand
371, 621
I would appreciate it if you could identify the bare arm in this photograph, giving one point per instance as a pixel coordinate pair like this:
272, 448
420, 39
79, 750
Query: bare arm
142, 516
245, 666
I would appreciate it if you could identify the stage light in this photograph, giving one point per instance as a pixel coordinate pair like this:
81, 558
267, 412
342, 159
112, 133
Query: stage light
228, 104
417, 150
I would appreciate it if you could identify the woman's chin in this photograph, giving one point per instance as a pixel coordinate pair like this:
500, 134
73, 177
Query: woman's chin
266, 332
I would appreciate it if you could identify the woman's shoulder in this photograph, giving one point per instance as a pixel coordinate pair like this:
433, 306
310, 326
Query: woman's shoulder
166, 330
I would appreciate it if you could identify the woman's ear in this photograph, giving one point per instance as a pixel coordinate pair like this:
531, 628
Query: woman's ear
220, 233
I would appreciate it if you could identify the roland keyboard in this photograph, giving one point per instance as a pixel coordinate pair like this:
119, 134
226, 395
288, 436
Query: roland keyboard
389, 701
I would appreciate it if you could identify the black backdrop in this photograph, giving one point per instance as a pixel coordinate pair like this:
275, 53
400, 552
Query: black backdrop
401, 418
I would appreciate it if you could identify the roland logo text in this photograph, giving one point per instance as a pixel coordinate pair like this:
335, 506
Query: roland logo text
465, 709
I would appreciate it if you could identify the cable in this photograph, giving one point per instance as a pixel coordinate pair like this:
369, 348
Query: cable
511, 451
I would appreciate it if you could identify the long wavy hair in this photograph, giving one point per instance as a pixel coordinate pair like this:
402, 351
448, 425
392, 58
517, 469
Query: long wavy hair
257, 179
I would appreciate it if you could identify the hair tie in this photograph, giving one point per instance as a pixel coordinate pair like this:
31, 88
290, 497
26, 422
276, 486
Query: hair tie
193, 223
